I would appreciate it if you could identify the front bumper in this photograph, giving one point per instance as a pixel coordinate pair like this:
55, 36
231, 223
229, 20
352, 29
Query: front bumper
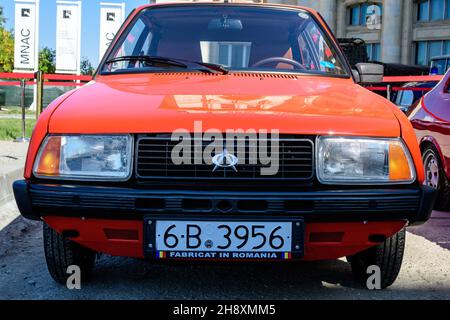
38, 200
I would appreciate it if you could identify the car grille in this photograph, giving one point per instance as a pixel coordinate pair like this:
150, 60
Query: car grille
296, 160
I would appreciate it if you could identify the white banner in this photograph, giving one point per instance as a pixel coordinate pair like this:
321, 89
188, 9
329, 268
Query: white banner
112, 16
68, 36
26, 32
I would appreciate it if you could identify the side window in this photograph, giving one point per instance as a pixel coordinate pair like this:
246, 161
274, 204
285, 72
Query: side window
398, 98
407, 98
324, 59
305, 52
137, 42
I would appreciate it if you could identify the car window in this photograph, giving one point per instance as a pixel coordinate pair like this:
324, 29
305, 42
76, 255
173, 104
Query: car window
438, 66
238, 37
407, 98
398, 97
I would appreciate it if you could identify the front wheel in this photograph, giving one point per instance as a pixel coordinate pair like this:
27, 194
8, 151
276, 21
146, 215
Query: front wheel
388, 256
60, 253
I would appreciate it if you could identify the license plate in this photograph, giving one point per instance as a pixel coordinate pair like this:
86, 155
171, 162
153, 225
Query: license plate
234, 239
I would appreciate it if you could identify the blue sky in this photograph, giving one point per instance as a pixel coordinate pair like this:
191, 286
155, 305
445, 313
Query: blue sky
90, 23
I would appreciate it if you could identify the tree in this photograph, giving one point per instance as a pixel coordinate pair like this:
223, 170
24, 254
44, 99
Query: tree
47, 58
6, 50
86, 67
2, 17
6, 46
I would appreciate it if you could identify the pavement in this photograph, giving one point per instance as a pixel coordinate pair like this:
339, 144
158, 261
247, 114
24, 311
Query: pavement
12, 161
425, 273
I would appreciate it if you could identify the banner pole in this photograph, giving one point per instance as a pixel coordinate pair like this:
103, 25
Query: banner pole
22, 105
36, 54
39, 76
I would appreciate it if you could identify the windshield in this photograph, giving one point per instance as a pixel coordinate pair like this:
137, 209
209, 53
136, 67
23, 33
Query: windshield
241, 38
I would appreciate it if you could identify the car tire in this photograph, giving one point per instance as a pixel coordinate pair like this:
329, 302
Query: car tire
60, 253
388, 256
435, 177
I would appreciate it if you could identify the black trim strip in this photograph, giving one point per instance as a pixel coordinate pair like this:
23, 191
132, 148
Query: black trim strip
412, 203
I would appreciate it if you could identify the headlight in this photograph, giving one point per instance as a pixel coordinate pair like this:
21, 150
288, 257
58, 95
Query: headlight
342, 160
85, 157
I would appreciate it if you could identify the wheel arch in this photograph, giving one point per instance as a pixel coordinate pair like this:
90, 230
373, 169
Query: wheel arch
429, 140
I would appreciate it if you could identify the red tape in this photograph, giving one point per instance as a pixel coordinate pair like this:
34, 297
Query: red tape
66, 77
412, 78
16, 75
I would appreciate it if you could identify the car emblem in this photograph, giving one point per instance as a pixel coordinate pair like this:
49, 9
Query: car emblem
225, 160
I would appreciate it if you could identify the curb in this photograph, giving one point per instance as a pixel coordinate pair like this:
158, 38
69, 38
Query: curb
6, 181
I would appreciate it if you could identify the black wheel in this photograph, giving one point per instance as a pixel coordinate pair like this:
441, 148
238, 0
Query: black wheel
435, 177
61, 252
388, 256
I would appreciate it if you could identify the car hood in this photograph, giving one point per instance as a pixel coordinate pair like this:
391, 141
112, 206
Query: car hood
164, 102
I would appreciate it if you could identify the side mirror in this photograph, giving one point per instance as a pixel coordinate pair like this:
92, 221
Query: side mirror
356, 76
369, 73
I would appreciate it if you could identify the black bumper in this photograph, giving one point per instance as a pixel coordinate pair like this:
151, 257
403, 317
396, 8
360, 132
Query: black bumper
410, 203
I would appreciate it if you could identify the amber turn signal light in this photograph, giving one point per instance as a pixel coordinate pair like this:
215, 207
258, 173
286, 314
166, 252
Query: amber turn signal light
399, 167
49, 158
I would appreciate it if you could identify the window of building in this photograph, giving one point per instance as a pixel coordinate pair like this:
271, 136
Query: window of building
423, 11
425, 50
421, 53
436, 9
434, 48
374, 51
355, 15
432, 10
447, 11
358, 13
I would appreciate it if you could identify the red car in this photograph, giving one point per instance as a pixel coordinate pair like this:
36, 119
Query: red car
111, 166
431, 121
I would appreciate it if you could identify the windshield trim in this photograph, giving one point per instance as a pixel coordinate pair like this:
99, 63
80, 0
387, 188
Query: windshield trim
123, 31
188, 71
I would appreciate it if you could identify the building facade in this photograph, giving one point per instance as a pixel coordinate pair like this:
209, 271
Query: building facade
411, 31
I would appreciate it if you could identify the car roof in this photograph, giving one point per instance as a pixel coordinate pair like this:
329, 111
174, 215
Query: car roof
267, 5
421, 84
447, 56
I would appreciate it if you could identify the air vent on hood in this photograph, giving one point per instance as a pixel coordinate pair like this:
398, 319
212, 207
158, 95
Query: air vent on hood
234, 74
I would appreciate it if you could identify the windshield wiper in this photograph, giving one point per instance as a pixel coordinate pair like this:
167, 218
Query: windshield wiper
151, 60
155, 60
211, 66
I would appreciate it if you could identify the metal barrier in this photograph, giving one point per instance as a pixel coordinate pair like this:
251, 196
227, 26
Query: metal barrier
403, 79
39, 80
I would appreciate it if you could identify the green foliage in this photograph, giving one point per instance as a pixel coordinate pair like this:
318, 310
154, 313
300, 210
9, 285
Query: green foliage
12, 128
6, 50
47, 62
86, 67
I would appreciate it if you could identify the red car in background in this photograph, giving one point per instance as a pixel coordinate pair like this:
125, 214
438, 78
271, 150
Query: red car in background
431, 121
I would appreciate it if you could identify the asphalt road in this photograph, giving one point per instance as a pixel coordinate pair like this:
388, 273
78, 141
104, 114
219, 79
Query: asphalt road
425, 272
